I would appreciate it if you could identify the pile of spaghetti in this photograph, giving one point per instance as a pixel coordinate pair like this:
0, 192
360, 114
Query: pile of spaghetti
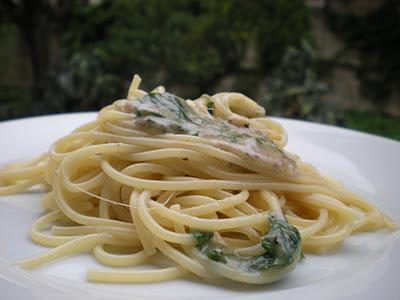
199, 187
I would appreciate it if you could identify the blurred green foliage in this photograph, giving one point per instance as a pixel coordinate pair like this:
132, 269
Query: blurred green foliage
190, 44
380, 124
14, 102
90, 50
376, 36
294, 89
81, 83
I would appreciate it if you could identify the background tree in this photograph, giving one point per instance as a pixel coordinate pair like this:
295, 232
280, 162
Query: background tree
39, 24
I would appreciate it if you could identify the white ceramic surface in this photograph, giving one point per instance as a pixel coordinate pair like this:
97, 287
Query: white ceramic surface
366, 267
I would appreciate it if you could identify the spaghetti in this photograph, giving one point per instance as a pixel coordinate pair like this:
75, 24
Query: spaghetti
205, 185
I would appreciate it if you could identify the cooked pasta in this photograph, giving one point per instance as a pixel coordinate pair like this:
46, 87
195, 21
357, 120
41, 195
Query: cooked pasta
203, 185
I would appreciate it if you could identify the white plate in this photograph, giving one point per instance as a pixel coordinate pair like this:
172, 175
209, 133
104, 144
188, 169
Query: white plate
366, 267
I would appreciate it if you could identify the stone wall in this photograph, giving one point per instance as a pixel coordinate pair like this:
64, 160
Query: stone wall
343, 83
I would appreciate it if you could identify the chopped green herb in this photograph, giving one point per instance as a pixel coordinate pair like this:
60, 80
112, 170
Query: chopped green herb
216, 255
235, 136
202, 238
210, 107
260, 262
268, 244
260, 140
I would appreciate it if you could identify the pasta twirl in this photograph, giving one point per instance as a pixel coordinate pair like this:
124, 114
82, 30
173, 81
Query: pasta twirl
205, 185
